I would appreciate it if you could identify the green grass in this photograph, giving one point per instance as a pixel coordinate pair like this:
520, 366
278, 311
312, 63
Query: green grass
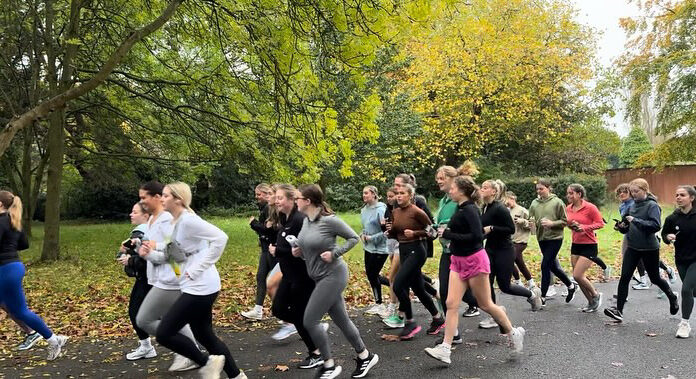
86, 292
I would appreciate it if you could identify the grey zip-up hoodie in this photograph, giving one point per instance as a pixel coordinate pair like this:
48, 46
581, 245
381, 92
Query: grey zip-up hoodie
647, 220
319, 235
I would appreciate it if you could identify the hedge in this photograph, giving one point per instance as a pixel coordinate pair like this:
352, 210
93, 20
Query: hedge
525, 188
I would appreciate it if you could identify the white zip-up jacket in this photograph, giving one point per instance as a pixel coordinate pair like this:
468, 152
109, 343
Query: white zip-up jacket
203, 244
159, 272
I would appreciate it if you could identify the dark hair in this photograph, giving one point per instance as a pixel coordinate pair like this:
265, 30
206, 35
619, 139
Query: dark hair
545, 182
691, 191
408, 179
578, 188
315, 195
153, 188
467, 186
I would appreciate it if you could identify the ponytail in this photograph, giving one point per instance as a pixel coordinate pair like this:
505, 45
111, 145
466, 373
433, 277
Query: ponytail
13, 204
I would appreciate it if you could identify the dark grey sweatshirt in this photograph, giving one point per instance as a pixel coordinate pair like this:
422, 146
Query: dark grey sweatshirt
647, 220
318, 236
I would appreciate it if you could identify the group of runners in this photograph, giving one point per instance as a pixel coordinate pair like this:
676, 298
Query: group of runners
483, 232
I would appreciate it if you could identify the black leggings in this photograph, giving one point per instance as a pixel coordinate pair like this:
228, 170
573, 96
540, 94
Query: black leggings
549, 264
651, 259
197, 311
412, 255
289, 305
138, 293
502, 264
687, 273
519, 262
373, 266
266, 264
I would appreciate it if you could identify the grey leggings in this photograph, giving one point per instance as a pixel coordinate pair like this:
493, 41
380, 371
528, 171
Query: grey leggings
327, 297
687, 273
156, 304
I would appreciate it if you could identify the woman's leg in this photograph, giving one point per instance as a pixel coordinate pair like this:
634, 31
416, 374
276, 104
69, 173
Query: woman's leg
651, 259
550, 252
265, 266
373, 266
505, 262
628, 266
519, 260
416, 262
393, 269
456, 289
138, 293
273, 282
12, 295
582, 264
688, 277
402, 281
444, 277
480, 286
156, 304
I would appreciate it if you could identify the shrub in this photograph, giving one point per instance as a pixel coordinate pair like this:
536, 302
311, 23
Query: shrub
524, 188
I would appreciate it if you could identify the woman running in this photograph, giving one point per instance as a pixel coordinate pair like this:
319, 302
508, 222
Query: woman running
547, 215
296, 286
583, 219
498, 228
374, 244
470, 268
196, 245
640, 223
409, 227
12, 270
266, 260
136, 267
391, 316
680, 230
316, 244
520, 217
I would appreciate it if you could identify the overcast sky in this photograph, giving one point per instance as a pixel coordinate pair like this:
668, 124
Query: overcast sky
604, 16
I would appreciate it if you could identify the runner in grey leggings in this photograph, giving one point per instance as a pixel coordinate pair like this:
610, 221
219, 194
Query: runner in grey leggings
154, 307
316, 243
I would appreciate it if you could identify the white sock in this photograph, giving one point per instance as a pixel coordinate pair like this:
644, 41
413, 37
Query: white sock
258, 308
686, 320
531, 283
364, 354
447, 346
52, 340
146, 343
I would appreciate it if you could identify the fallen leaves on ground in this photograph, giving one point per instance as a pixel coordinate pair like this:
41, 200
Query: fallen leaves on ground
390, 337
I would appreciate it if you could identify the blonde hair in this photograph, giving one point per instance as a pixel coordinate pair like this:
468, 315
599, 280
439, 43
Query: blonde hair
448, 171
640, 183
264, 187
13, 204
374, 191
499, 188
468, 168
181, 191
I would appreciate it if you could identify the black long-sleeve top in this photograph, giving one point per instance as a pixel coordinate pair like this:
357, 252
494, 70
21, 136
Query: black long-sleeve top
267, 236
498, 216
11, 241
137, 266
684, 226
464, 230
293, 268
420, 202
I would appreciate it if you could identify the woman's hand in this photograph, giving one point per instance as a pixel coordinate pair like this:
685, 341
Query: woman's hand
144, 249
408, 233
629, 218
546, 223
671, 237
296, 252
251, 219
326, 256
271, 249
123, 259
487, 229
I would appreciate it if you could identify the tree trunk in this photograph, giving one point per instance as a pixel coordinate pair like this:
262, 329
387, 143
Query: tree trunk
51, 246
26, 181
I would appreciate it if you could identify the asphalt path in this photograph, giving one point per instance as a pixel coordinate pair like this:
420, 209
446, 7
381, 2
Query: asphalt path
561, 342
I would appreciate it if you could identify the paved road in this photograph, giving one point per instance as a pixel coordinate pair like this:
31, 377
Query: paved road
561, 342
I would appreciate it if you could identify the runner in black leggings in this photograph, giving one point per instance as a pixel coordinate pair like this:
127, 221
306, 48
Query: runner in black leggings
498, 227
680, 230
640, 223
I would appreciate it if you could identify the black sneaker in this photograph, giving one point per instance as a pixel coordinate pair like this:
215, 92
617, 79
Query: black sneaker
614, 313
673, 304
457, 340
364, 365
543, 302
471, 312
328, 372
571, 293
436, 325
312, 361
409, 331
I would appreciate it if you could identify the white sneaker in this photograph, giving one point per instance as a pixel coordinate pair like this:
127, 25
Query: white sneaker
389, 310
684, 329
241, 375
535, 299
182, 363
213, 367
54, 351
284, 332
641, 286
517, 338
488, 323
551, 292
376, 309
252, 314
325, 326
141, 352
440, 352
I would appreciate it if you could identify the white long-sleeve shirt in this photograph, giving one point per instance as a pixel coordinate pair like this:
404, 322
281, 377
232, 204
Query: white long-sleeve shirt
203, 244
159, 272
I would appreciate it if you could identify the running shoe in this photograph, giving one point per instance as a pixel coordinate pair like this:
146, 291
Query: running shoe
614, 313
535, 299
213, 367
607, 273
684, 329
436, 325
54, 351
29, 341
671, 275
364, 365
312, 361
141, 352
409, 331
571, 293
182, 363
284, 332
328, 372
389, 311
394, 322
517, 338
456, 340
488, 323
376, 309
440, 352
551, 292
641, 286
674, 305
253, 314
241, 375
596, 302
660, 294
471, 312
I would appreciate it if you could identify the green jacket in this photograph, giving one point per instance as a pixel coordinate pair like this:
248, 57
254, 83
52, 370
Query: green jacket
553, 209
446, 210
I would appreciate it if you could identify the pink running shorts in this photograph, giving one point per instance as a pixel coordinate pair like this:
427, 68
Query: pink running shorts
472, 265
